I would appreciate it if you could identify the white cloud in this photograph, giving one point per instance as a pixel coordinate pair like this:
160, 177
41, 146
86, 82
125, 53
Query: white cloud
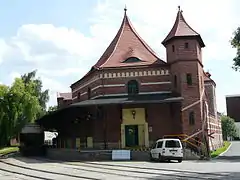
3, 49
63, 55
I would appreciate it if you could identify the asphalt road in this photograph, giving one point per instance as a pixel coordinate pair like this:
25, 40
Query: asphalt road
233, 153
224, 167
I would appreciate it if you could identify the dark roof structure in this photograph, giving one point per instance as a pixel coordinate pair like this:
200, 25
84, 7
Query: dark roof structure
181, 29
127, 44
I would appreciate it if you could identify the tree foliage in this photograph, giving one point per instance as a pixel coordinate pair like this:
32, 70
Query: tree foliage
43, 96
228, 127
235, 42
21, 103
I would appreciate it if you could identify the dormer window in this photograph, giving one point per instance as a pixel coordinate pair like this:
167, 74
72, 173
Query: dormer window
133, 88
132, 60
186, 45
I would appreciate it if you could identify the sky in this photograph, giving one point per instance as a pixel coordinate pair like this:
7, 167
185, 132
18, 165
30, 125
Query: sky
62, 39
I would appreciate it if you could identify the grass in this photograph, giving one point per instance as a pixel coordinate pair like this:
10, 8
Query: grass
7, 150
218, 151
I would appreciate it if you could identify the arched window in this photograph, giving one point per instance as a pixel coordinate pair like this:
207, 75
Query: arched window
133, 87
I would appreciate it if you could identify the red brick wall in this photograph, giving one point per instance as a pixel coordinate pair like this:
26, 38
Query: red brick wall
181, 53
210, 92
187, 60
109, 77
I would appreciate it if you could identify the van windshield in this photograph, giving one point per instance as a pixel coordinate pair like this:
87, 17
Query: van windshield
172, 144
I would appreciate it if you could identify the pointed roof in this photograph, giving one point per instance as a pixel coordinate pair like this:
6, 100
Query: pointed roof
182, 29
126, 44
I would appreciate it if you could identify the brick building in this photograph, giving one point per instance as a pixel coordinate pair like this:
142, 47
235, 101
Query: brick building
233, 107
131, 97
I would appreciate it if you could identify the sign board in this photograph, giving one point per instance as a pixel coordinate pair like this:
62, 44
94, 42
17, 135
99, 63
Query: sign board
150, 129
121, 155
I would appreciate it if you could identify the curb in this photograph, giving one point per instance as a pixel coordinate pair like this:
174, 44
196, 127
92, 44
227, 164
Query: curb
224, 151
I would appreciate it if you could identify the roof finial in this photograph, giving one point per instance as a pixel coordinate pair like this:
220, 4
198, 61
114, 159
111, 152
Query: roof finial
125, 8
179, 8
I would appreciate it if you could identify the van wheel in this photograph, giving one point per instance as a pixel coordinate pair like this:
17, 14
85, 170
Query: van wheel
180, 160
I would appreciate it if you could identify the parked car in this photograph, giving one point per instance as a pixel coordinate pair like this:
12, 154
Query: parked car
167, 149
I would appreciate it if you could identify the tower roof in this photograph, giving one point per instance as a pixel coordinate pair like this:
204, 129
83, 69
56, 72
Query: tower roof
181, 29
126, 44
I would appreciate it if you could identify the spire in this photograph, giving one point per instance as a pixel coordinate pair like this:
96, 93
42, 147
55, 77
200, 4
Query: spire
182, 29
125, 10
127, 43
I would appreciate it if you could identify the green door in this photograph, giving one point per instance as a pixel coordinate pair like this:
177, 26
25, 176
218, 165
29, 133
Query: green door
131, 135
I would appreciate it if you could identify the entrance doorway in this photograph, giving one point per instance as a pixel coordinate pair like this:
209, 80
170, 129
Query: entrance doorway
131, 135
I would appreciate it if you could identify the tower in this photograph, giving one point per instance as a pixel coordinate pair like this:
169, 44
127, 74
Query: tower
184, 48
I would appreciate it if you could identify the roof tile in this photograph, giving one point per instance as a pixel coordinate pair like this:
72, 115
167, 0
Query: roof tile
182, 29
127, 43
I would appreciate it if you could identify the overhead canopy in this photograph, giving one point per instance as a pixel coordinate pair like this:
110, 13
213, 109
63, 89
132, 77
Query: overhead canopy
70, 111
139, 99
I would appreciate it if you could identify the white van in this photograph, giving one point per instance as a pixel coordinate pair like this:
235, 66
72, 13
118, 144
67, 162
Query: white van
167, 149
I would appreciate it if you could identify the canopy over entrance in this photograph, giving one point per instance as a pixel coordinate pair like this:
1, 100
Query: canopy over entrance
81, 109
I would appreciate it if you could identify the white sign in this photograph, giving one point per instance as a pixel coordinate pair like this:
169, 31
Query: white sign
121, 155
150, 129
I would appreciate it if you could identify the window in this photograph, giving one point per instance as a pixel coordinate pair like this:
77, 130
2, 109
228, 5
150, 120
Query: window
89, 93
173, 48
172, 144
175, 81
191, 118
132, 60
154, 146
186, 45
79, 95
159, 145
133, 87
189, 79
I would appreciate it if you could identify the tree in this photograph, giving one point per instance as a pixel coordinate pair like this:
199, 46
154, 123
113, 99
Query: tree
19, 105
43, 96
235, 42
229, 128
